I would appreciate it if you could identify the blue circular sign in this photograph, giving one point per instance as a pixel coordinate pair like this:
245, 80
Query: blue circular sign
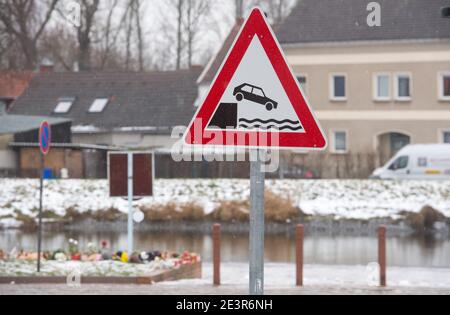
45, 137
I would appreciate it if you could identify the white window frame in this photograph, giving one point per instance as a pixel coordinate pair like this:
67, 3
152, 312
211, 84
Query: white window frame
376, 97
396, 87
64, 100
333, 141
304, 75
106, 102
332, 87
441, 95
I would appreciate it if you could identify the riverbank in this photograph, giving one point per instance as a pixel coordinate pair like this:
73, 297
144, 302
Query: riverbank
184, 204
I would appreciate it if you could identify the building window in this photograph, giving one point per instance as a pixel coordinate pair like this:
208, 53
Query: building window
98, 105
340, 142
382, 87
303, 84
446, 137
64, 105
444, 86
403, 87
338, 87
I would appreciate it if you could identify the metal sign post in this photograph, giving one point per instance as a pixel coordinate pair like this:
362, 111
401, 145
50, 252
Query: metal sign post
41, 193
45, 138
131, 175
130, 204
257, 181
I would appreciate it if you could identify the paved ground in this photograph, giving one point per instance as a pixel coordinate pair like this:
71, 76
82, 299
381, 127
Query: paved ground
323, 280
207, 290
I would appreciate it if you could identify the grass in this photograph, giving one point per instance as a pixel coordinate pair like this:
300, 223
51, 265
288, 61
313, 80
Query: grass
425, 220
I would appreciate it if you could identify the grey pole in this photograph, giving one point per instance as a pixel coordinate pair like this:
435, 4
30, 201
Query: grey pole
130, 204
257, 178
41, 193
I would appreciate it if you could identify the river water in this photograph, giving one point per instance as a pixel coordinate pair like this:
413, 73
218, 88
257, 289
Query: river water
329, 250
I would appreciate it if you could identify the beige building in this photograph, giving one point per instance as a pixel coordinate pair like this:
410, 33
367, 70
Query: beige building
374, 89
373, 97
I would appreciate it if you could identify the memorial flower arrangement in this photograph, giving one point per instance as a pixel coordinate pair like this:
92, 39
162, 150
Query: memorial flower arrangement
93, 253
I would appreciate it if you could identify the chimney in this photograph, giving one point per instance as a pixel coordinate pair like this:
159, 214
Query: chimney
46, 66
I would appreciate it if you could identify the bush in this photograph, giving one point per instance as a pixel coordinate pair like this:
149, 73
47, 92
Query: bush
172, 211
229, 211
425, 219
277, 209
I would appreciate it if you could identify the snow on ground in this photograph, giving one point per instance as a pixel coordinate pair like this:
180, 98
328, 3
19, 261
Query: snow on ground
283, 275
353, 199
279, 275
101, 268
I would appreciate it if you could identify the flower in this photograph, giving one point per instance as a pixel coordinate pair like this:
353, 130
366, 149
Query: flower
124, 258
73, 246
60, 257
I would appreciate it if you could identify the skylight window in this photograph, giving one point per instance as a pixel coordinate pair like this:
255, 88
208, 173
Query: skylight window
98, 105
64, 105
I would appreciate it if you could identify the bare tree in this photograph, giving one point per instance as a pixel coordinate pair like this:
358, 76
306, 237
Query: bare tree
129, 33
239, 6
277, 10
3, 46
179, 7
111, 34
196, 12
59, 44
184, 22
89, 8
23, 21
140, 39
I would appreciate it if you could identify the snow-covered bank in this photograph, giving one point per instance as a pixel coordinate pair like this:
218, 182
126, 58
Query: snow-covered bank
345, 199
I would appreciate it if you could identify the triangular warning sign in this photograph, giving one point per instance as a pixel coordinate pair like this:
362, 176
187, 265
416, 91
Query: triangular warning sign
255, 101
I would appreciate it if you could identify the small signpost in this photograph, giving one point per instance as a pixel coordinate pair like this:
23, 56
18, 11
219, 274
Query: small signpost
256, 102
45, 140
131, 175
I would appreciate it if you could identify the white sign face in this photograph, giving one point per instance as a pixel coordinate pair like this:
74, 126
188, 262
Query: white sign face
262, 103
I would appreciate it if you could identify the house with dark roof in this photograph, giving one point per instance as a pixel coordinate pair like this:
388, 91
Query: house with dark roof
110, 111
124, 109
376, 73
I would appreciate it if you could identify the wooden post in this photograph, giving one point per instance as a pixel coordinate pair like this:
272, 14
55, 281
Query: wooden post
382, 254
216, 253
299, 238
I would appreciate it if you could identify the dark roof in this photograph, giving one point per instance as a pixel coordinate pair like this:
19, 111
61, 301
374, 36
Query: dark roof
346, 20
213, 68
154, 100
11, 124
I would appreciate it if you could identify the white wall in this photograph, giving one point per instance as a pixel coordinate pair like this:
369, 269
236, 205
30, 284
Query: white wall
8, 159
125, 139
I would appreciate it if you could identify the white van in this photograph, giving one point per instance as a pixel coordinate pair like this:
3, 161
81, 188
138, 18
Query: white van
422, 161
